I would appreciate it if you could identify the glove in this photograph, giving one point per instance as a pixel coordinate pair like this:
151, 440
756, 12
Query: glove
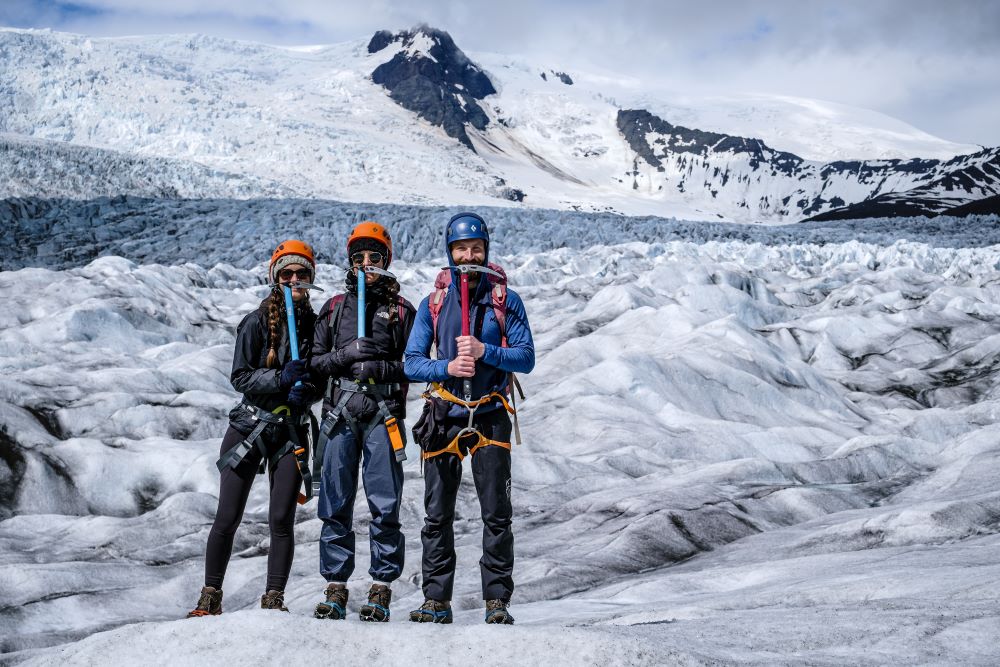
292, 372
370, 370
301, 395
361, 349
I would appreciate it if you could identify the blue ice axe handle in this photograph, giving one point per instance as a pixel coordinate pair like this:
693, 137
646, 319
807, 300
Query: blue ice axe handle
361, 301
293, 336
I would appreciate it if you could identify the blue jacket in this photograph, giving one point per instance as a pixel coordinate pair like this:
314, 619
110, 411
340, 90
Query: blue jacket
496, 362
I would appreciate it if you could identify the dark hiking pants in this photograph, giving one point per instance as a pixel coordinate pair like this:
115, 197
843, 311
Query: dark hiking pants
234, 489
491, 473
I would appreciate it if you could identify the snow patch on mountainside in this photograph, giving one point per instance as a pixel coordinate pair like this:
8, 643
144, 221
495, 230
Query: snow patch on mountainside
311, 122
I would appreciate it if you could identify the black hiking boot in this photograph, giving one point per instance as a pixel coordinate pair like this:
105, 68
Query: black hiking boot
377, 607
335, 607
432, 611
273, 600
496, 612
209, 604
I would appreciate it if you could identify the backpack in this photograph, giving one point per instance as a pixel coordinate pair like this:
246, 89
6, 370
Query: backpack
498, 294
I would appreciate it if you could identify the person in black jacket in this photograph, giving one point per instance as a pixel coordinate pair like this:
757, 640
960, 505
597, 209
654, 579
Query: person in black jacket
266, 428
363, 413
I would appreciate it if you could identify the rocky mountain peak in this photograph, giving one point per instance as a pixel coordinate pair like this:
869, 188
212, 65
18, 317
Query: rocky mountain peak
432, 77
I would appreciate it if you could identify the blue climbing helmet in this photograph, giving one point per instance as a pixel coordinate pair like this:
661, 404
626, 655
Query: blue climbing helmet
466, 226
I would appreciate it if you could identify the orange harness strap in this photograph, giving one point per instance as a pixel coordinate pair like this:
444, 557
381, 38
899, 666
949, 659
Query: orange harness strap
444, 394
453, 447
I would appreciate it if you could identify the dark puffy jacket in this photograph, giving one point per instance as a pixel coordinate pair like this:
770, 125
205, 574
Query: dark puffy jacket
388, 322
260, 385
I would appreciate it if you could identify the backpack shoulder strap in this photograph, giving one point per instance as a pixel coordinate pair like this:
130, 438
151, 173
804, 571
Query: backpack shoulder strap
436, 299
499, 298
336, 309
500, 310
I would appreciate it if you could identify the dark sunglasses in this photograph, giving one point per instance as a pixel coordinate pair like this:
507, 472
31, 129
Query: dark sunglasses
374, 256
301, 274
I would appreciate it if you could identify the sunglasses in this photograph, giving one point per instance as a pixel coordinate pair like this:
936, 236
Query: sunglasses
301, 274
374, 257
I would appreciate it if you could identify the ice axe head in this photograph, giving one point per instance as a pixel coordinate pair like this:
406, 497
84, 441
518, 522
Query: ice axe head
464, 270
477, 268
301, 285
375, 269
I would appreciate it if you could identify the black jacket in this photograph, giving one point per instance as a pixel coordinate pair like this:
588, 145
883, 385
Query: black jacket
260, 385
388, 322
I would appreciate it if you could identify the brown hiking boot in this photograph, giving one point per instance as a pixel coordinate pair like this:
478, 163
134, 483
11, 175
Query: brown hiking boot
273, 600
209, 603
377, 607
432, 611
496, 612
335, 607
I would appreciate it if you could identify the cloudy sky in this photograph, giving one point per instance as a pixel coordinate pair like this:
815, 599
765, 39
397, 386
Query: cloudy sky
932, 63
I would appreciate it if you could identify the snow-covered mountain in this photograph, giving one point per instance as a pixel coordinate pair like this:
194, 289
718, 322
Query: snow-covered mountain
735, 451
411, 118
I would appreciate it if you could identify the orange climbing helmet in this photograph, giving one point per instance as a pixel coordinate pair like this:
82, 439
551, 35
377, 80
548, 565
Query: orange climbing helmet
288, 252
373, 231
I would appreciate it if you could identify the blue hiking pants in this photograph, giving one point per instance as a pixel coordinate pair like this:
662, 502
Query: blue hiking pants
382, 476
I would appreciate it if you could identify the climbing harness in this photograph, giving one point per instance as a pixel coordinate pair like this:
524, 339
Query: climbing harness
348, 388
438, 391
280, 416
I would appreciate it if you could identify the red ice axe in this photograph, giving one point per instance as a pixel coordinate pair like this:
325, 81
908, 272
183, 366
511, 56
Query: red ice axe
463, 276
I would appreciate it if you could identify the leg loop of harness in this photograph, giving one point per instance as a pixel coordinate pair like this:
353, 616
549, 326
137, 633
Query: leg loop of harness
325, 431
264, 419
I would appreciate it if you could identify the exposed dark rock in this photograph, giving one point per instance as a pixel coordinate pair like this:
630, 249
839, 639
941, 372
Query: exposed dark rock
934, 186
877, 207
441, 86
513, 194
12, 466
990, 205
379, 41
636, 124
564, 77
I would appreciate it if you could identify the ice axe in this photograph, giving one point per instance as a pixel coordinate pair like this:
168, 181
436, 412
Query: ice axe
293, 345
463, 276
391, 423
293, 336
362, 288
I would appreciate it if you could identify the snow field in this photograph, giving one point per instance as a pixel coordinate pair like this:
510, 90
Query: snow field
734, 452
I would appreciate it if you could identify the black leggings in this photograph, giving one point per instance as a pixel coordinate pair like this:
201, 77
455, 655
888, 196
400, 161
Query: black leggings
233, 493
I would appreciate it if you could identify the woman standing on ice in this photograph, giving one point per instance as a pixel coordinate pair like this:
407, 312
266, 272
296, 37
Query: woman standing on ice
272, 420
359, 343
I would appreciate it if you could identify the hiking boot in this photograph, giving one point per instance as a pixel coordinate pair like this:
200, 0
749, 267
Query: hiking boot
496, 612
377, 607
432, 611
335, 607
273, 600
209, 603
